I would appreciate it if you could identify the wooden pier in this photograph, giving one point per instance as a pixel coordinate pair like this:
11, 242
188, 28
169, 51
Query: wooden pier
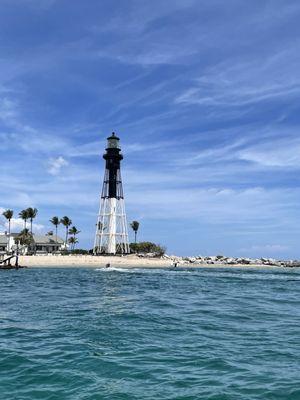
7, 263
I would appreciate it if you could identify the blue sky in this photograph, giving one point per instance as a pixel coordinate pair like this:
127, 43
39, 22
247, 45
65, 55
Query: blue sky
203, 94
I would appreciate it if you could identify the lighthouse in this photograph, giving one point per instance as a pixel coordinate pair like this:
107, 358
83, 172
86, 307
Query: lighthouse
111, 229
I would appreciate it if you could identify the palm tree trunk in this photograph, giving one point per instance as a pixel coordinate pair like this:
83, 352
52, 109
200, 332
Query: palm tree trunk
66, 236
31, 225
135, 236
56, 234
8, 236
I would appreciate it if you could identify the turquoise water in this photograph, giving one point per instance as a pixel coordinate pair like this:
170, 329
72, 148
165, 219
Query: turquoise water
149, 334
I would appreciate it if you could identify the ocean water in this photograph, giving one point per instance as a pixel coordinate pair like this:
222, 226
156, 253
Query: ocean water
149, 334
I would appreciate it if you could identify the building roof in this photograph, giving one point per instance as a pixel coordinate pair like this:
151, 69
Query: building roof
113, 136
47, 239
42, 239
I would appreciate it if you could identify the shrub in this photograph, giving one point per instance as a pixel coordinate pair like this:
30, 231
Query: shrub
79, 251
147, 247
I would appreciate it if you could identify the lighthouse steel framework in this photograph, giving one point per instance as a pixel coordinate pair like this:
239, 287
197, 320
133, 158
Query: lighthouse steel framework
111, 230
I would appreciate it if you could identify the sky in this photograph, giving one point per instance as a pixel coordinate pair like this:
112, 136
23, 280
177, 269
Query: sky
204, 96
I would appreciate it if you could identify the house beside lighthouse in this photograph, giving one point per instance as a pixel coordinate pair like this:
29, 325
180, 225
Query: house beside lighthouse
111, 235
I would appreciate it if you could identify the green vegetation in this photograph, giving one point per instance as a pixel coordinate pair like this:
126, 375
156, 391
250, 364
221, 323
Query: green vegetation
74, 231
76, 251
24, 216
147, 247
55, 221
66, 221
81, 251
31, 214
72, 241
24, 238
8, 214
135, 227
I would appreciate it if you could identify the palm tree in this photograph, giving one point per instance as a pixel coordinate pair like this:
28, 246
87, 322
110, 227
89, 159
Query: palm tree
25, 237
66, 222
72, 240
24, 216
135, 227
74, 231
32, 213
55, 221
8, 214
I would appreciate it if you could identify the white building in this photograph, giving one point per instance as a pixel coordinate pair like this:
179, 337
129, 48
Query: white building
3, 243
42, 244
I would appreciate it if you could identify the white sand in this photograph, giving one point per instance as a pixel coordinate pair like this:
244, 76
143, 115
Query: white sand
89, 261
131, 261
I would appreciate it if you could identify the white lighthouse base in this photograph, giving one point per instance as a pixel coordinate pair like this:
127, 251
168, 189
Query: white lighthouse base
111, 231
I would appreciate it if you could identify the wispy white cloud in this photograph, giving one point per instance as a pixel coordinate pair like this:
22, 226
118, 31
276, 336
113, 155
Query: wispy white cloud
237, 83
140, 16
279, 153
251, 208
16, 134
8, 110
55, 165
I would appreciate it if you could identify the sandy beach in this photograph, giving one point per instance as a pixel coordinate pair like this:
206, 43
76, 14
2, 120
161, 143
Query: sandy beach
131, 261
90, 261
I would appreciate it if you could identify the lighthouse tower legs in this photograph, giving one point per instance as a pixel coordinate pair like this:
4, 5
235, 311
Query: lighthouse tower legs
112, 226
111, 230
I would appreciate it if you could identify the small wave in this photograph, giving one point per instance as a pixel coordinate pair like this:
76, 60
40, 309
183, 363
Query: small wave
117, 269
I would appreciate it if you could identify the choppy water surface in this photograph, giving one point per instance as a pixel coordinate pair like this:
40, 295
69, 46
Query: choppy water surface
149, 334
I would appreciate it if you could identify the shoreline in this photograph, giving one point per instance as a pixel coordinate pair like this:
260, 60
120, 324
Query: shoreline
88, 261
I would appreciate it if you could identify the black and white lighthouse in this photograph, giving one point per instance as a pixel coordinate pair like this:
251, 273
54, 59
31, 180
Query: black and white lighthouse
111, 230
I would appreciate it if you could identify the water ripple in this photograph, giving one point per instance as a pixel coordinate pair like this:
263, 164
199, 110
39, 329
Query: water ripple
149, 334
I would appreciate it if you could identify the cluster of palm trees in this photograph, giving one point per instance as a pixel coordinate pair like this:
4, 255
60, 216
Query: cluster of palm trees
73, 231
30, 213
27, 214
25, 236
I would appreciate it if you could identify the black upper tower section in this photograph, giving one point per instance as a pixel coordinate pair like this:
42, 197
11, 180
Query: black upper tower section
112, 185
